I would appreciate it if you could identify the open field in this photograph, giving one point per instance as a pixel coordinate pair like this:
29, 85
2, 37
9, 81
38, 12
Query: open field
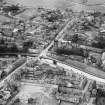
62, 4
4, 18
37, 92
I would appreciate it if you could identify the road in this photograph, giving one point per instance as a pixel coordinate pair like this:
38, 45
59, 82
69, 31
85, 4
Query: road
14, 72
60, 64
49, 61
9, 76
90, 75
43, 53
74, 69
59, 36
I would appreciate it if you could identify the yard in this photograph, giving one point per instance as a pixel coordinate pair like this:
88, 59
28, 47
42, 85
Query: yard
38, 93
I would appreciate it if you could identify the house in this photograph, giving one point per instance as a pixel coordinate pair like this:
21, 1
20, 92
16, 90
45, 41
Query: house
69, 98
70, 90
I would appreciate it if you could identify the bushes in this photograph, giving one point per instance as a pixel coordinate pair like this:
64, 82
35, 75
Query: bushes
100, 45
13, 8
75, 38
100, 97
52, 16
100, 42
74, 51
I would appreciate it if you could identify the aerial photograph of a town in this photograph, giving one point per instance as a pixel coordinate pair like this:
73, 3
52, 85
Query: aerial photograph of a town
52, 52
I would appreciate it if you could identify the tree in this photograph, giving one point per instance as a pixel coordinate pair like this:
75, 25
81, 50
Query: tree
53, 15
2, 41
94, 85
14, 48
75, 38
100, 41
73, 51
3, 74
12, 8
12, 86
26, 45
100, 97
96, 14
54, 62
17, 101
30, 100
84, 1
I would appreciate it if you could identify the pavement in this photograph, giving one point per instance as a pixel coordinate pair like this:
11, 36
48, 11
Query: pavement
49, 61
14, 72
10, 75
43, 53
76, 70
59, 36
89, 72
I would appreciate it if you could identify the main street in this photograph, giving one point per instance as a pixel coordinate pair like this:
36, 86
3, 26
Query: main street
11, 74
14, 72
43, 53
74, 69
66, 66
50, 61
59, 36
